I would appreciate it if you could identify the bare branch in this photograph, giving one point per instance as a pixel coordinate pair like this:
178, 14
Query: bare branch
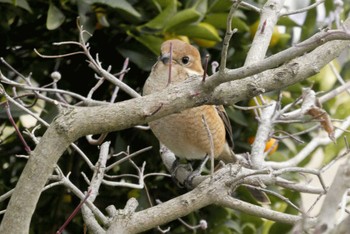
19, 134
76, 210
74, 122
327, 217
95, 184
128, 157
140, 184
121, 77
333, 93
61, 55
309, 148
318, 2
259, 211
249, 6
279, 58
6, 195
95, 64
211, 143
227, 38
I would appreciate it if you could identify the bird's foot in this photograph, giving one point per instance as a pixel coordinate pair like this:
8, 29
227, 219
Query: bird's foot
175, 167
188, 183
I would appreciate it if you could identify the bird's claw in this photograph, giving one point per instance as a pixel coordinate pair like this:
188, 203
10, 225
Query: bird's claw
176, 165
188, 181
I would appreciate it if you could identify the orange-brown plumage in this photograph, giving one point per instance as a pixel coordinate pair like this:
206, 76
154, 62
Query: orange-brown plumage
184, 133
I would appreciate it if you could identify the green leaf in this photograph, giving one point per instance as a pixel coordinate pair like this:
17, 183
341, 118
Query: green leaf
237, 116
288, 22
309, 24
137, 56
55, 17
20, 3
339, 106
163, 18
120, 4
249, 228
182, 18
284, 39
325, 79
153, 43
160, 3
220, 6
234, 226
218, 20
200, 5
329, 6
157, 5
198, 31
345, 71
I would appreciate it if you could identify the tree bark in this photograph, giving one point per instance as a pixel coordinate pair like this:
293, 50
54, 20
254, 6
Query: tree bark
73, 123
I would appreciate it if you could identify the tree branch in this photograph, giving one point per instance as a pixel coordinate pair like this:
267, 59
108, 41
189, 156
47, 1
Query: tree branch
73, 123
211, 191
341, 183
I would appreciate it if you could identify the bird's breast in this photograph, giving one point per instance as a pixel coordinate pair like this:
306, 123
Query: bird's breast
187, 136
158, 80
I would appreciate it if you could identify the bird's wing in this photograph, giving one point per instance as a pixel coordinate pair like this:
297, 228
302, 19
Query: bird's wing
223, 115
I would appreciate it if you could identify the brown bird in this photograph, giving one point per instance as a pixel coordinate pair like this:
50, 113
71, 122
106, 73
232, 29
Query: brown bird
184, 133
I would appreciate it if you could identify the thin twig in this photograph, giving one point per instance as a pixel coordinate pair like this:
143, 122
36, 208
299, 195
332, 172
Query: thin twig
315, 202
170, 63
303, 9
95, 64
294, 135
206, 61
211, 144
283, 198
58, 56
227, 38
121, 77
329, 165
96, 86
9, 116
302, 170
52, 90
249, 6
128, 157
251, 107
74, 213
6, 195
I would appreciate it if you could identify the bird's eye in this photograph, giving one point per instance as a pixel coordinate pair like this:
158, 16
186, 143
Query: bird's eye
185, 60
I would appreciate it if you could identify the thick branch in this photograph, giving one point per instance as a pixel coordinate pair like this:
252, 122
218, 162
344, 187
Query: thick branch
231, 202
211, 191
290, 73
341, 183
275, 60
268, 19
39, 167
76, 122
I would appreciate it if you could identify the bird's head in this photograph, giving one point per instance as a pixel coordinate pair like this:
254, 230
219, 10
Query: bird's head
183, 54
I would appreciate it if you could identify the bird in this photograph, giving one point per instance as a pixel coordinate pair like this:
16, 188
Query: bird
184, 133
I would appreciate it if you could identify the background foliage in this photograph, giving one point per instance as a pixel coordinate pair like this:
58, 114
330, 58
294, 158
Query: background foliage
135, 29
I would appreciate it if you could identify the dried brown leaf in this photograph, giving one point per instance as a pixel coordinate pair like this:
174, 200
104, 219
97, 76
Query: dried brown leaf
325, 120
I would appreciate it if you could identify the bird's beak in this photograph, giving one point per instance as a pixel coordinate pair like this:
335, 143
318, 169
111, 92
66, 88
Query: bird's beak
165, 58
